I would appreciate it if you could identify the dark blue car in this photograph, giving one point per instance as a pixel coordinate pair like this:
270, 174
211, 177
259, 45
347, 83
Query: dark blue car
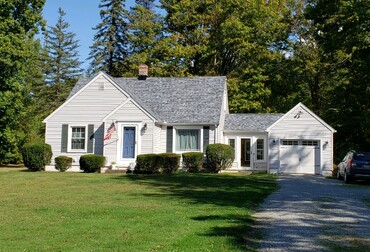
354, 165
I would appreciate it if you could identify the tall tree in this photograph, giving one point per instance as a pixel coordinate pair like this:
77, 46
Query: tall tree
232, 38
19, 21
109, 49
62, 65
145, 30
301, 75
343, 29
35, 100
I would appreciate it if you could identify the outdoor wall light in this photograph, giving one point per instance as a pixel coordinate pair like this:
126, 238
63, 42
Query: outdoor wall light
325, 144
298, 115
145, 126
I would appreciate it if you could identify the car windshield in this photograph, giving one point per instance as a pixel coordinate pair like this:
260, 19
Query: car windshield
362, 156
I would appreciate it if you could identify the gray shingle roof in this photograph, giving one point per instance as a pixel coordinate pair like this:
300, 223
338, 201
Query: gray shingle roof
250, 122
175, 100
80, 84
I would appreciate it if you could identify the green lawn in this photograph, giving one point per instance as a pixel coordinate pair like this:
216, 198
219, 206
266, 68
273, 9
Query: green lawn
100, 212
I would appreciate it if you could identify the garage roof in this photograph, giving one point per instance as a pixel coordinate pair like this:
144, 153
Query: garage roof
250, 122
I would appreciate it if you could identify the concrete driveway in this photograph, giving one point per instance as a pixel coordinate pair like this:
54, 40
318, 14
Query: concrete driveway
312, 213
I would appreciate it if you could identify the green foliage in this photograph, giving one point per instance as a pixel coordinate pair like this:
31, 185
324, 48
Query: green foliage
36, 155
34, 101
144, 31
168, 162
62, 67
18, 23
110, 41
157, 163
63, 163
147, 164
239, 39
193, 161
219, 157
343, 34
91, 163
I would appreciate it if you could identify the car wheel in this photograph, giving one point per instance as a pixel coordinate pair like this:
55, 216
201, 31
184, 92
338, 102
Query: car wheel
347, 178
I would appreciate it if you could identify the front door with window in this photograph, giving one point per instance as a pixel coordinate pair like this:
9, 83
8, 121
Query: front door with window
245, 152
128, 142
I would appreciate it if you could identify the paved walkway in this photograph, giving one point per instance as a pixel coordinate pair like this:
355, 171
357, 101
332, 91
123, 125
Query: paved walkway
308, 213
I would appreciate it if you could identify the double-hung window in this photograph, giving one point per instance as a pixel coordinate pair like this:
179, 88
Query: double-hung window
260, 149
78, 138
187, 140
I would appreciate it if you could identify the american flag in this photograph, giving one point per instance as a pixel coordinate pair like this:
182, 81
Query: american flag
111, 129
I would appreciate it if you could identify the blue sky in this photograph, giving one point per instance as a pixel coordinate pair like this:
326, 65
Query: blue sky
82, 16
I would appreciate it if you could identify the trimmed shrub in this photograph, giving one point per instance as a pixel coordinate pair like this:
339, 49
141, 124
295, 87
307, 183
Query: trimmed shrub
36, 156
147, 164
63, 163
91, 163
335, 171
192, 161
219, 157
169, 162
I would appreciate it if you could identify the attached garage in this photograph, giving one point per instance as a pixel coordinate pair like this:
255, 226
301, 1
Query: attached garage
300, 143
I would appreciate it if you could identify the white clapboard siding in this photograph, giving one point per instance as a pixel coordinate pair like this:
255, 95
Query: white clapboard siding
163, 140
157, 134
87, 107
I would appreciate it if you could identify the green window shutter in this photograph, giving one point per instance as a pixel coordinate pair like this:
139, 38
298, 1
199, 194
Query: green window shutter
90, 140
169, 139
64, 138
205, 138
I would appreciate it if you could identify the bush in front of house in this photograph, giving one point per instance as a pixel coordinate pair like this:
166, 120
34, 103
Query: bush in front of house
63, 163
192, 161
91, 163
335, 171
168, 162
219, 157
36, 156
147, 164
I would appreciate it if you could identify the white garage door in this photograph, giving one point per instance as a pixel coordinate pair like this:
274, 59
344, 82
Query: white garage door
299, 156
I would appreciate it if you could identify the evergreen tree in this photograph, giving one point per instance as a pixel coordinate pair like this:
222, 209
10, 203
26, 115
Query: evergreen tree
145, 30
34, 97
18, 24
62, 63
109, 49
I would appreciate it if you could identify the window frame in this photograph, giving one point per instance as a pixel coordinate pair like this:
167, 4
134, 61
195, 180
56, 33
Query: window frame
69, 147
263, 150
229, 140
290, 142
200, 138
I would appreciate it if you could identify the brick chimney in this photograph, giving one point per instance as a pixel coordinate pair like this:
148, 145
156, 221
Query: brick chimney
143, 71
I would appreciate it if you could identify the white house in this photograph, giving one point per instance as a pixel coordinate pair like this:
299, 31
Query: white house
156, 115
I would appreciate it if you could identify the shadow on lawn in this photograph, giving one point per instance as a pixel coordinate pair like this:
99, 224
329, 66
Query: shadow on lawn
245, 192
